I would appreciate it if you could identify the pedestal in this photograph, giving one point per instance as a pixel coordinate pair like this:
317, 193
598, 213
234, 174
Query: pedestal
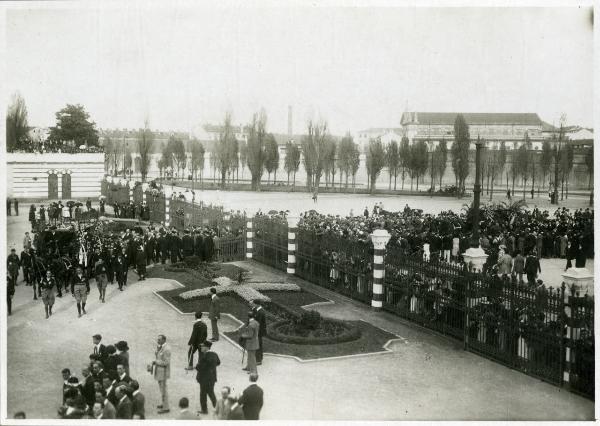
579, 280
380, 238
475, 258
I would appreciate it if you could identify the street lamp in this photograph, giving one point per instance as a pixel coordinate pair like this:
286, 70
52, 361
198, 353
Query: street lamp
475, 256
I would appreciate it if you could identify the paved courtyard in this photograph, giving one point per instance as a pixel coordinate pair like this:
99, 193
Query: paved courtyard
424, 377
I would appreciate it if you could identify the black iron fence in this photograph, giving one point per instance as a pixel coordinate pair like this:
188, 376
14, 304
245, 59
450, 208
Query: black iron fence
138, 194
337, 264
156, 205
270, 241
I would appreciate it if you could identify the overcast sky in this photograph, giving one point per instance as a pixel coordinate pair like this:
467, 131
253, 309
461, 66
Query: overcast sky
355, 67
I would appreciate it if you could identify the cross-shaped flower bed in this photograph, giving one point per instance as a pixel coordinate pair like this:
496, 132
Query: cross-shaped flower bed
248, 291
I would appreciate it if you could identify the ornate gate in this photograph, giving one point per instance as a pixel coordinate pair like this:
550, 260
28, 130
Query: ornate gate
66, 186
52, 186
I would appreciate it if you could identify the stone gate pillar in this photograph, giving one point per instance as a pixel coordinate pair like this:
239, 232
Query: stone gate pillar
249, 235
292, 229
380, 238
168, 193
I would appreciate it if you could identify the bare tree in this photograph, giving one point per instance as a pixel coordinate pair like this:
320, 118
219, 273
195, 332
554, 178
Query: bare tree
145, 142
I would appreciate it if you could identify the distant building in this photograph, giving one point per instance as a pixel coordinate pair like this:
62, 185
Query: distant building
38, 134
494, 128
386, 134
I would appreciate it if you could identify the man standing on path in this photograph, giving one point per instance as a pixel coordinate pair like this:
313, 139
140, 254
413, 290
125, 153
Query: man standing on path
10, 291
250, 334
208, 362
12, 266
199, 335
252, 399
8, 206
101, 280
261, 318
532, 267
214, 314
16, 207
80, 288
162, 371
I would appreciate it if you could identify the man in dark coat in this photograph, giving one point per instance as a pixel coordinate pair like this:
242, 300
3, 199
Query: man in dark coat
209, 246
163, 245
261, 318
208, 362
140, 259
16, 207
10, 291
173, 247
199, 246
8, 207
124, 408
138, 401
188, 244
532, 267
121, 267
12, 266
150, 248
199, 335
252, 399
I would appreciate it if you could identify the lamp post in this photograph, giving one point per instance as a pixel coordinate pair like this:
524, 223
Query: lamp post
476, 193
475, 257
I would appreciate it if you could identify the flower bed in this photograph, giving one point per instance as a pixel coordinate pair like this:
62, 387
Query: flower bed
329, 331
248, 292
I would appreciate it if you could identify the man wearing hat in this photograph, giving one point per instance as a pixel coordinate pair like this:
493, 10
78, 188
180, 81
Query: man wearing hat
208, 362
10, 291
80, 288
199, 335
12, 266
101, 280
250, 334
188, 244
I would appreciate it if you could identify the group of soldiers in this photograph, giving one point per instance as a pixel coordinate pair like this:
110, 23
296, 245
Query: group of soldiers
105, 256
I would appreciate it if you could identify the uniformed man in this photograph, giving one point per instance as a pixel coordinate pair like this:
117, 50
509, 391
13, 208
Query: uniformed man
109, 263
140, 259
163, 245
188, 244
198, 245
80, 288
47, 284
12, 266
101, 278
173, 246
122, 265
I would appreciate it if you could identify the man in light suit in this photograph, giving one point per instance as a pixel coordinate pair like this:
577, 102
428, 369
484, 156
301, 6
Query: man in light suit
162, 371
250, 334
214, 313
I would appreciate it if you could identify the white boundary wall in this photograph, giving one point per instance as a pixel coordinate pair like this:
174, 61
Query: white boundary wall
27, 173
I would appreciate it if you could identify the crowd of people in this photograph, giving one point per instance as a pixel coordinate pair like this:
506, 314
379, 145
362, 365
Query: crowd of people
106, 389
564, 234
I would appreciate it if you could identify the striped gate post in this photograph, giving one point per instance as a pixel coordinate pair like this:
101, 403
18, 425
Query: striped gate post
249, 235
144, 189
168, 193
292, 229
380, 238
576, 281
130, 184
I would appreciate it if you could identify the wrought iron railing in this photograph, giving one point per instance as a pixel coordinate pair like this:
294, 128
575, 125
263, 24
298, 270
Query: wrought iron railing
270, 241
